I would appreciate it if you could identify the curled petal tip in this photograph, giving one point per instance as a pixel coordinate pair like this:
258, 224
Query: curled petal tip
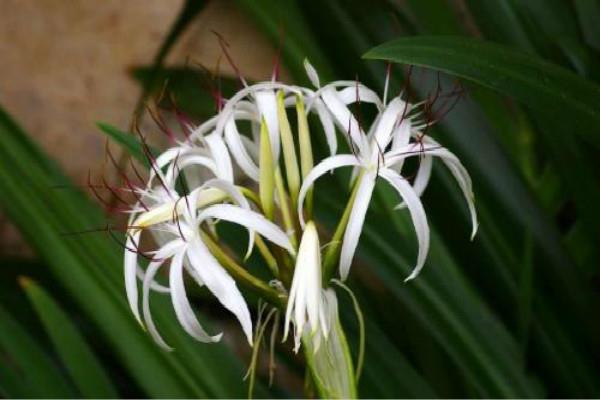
217, 338
474, 232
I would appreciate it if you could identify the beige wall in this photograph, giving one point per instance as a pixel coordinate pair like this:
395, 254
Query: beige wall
63, 66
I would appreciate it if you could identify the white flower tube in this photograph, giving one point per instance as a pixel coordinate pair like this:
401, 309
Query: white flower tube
305, 308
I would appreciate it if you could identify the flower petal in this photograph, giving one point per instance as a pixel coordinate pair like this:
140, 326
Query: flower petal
326, 165
249, 219
238, 151
238, 198
422, 178
356, 221
328, 126
220, 284
267, 107
311, 72
183, 309
417, 214
388, 121
148, 279
359, 93
305, 294
345, 119
433, 149
220, 156
130, 271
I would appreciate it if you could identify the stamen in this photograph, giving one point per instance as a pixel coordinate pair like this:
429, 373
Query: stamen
176, 219
277, 56
157, 117
124, 177
224, 45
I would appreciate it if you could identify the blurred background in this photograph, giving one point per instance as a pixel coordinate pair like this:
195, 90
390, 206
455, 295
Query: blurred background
512, 314
66, 65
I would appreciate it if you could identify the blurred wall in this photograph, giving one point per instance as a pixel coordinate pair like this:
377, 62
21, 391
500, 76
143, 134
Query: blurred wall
63, 66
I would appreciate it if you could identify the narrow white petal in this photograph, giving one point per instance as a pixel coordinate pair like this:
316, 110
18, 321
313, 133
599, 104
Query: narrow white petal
417, 214
387, 122
359, 93
344, 118
183, 309
423, 175
397, 156
221, 156
251, 148
305, 295
326, 165
155, 286
167, 250
238, 198
328, 126
356, 221
311, 72
267, 105
184, 161
220, 284
204, 128
464, 182
148, 279
401, 135
422, 178
130, 271
238, 151
250, 220
231, 104
433, 149
290, 307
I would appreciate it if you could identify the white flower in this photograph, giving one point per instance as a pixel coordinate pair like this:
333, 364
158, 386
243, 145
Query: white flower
306, 306
186, 251
194, 185
381, 152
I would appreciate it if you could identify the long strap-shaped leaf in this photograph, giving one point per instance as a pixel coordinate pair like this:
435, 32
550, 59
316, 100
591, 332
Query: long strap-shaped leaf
78, 358
537, 83
25, 369
88, 266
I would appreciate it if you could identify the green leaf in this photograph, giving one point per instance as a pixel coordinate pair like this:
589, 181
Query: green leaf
89, 268
556, 95
81, 363
536, 83
588, 14
128, 141
26, 370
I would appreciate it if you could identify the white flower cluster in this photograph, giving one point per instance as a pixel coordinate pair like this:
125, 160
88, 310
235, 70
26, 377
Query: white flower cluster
197, 183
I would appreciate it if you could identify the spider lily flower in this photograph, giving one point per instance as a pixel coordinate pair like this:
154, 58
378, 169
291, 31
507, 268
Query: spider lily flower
306, 307
185, 250
381, 153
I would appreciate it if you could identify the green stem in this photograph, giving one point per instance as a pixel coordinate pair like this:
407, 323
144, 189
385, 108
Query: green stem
240, 274
267, 255
332, 254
